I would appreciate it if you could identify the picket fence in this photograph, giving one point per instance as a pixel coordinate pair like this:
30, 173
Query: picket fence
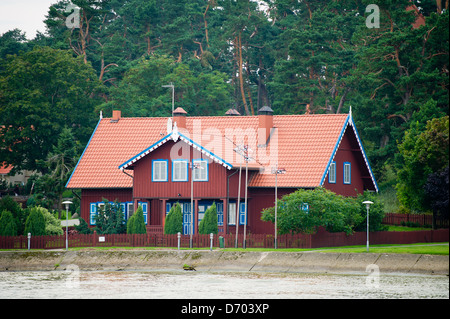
320, 239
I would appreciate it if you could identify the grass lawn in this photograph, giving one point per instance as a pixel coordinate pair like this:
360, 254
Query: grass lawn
420, 248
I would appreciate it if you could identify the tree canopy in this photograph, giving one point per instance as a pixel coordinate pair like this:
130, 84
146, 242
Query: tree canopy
295, 56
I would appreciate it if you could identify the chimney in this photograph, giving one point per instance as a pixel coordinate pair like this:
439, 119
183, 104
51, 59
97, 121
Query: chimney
265, 116
179, 116
116, 116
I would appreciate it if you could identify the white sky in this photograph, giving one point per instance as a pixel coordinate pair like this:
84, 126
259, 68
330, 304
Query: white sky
26, 15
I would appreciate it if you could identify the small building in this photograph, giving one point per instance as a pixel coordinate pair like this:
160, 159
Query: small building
157, 162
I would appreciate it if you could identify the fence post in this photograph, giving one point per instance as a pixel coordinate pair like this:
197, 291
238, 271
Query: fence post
94, 238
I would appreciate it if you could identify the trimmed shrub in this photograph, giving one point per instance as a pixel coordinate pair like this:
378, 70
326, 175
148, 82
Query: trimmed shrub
174, 220
7, 224
209, 224
137, 225
35, 223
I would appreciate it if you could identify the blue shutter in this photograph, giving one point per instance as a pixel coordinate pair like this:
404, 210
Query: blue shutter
92, 213
242, 212
219, 214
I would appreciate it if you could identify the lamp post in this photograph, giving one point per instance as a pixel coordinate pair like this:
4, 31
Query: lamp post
194, 166
67, 203
367, 203
277, 171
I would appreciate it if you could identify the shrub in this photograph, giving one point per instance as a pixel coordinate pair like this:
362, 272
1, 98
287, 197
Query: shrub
83, 228
136, 224
208, 224
7, 224
305, 210
35, 223
174, 220
109, 219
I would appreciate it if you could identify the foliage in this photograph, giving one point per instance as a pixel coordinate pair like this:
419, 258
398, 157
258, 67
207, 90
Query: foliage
174, 220
8, 204
7, 224
35, 223
49, 89
209, 222
421, 153
305, 210
83, 227
110, 219
52, 224
136, 223
437, 193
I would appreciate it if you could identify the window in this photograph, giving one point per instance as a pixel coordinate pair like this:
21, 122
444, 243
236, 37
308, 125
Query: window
232, 214
347, 173
332, 173
159, 171
179, 171
92, 213
200, 170
305, 207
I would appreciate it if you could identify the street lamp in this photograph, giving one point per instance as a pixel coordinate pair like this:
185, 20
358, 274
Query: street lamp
67, 203
367, 203
277, 171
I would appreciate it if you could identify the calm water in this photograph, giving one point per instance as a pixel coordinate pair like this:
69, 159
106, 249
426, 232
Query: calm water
75, 284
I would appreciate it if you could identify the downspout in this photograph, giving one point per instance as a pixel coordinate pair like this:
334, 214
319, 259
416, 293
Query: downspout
228, 200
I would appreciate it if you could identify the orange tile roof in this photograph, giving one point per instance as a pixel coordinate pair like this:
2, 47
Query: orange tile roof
301, 144
5, 168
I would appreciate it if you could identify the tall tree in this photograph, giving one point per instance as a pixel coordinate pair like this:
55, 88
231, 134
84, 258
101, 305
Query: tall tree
42, 91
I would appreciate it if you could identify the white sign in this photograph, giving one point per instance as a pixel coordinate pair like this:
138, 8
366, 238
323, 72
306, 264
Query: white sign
101, 239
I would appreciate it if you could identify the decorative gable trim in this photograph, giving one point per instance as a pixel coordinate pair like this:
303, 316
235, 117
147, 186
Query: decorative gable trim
175, 135
349, 122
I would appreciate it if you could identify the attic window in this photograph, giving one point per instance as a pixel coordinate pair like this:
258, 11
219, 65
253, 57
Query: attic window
347, 173
332, 173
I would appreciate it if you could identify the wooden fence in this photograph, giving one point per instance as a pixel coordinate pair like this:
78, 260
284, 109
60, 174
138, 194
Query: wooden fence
320, 239
419, 219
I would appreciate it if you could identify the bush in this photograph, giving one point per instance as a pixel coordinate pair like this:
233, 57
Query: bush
7, 224
109, 219
7, 203
305, 210
136, 223
208, 224
35, 223
174, 220
83, 228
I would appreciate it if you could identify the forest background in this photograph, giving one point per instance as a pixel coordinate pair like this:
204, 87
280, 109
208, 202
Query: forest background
295, 56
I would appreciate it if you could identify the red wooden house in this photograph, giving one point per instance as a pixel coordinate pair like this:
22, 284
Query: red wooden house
156, 162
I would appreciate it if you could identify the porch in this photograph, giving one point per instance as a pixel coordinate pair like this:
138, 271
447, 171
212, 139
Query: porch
158, 209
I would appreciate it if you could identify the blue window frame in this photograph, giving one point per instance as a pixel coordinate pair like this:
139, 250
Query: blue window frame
160, 170
347, 173
180, 170
92, 213
332, 173
201, 174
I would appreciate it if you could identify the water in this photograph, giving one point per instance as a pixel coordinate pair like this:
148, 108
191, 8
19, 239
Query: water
197, 285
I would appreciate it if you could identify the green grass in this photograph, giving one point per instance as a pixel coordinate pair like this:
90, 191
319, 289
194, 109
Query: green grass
420, 248
405, 228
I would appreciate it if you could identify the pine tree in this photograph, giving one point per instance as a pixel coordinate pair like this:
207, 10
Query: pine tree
35, 223
138, 224
174, 221
7, 224
209, 224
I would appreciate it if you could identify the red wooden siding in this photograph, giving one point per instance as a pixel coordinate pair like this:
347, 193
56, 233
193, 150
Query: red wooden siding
97, 195
349, 151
